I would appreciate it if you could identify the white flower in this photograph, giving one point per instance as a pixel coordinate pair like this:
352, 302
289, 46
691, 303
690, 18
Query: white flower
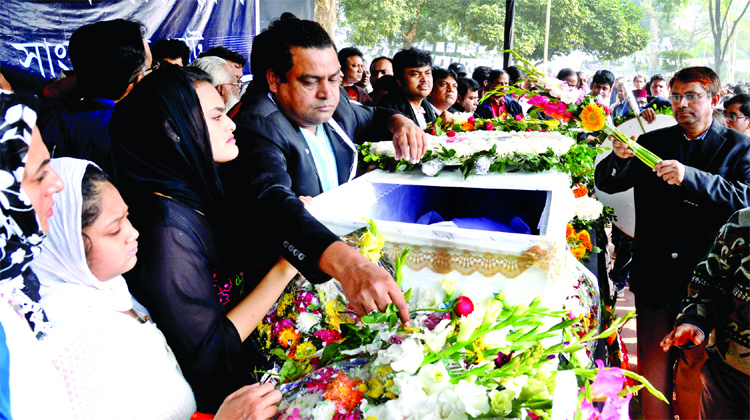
383, 148
588, 208
426, 297
468, 325
435, 378
493, 311
473, 397
516, 384
435, 339
448, 284
324, 411
501, 402
450, 406
406, 357
328, 291
306, 321
497, 339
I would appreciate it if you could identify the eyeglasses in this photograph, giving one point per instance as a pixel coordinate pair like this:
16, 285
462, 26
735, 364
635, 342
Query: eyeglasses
734, 117
690, 97
238, 85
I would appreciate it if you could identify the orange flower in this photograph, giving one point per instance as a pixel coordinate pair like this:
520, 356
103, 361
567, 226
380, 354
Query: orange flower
585, 239
569, 230
468, 126
288, 338
580, 191
593, 117
345, 392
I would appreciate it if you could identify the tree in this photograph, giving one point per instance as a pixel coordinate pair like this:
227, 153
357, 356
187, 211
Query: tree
326, 13
608, 29
719, 17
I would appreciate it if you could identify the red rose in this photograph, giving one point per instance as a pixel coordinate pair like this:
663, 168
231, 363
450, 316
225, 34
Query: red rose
451, 133
490, 127
464, 306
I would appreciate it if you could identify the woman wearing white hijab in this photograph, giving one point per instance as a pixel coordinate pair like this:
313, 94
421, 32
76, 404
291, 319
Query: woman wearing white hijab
115, 362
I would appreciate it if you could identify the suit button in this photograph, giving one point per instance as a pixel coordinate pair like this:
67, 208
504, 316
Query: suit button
674, 255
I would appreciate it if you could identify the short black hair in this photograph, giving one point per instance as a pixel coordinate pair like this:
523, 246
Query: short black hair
741, 89
744, 101
439, 73
658, 76
465, 84
604, 77
495, 74
481, 74
515, 73
565, 73
347, 52
382, 57
170, 48
224, 53
107, 57
409, 58
272, 47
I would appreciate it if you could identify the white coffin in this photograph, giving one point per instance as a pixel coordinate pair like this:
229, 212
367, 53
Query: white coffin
483, 262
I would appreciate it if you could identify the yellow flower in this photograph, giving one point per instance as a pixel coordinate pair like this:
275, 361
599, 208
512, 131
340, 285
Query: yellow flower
552, 124
286, 300
371, 246
384, 371
579, 252
264, 330
305, 350
332, 309
593, 117
374, 388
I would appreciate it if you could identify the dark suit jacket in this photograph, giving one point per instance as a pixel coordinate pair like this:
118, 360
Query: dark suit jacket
676, 225
273, 168
397, 101
512, 107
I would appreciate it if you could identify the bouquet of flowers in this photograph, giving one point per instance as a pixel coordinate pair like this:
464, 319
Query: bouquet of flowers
460, 359
558, 100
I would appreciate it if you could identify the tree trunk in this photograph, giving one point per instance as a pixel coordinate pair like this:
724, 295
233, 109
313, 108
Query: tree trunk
411, 33
718, 25
326, 15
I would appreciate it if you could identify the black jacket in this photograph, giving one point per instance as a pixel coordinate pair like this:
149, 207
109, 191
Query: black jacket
676, 225
397, 101
266, 218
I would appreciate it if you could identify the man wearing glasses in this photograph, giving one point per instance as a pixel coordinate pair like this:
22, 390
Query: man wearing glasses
679, 205
737, 113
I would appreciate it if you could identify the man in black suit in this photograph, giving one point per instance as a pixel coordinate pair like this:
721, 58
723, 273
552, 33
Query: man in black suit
680, 206
296, 138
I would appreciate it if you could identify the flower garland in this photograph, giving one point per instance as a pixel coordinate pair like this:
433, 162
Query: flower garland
480, 152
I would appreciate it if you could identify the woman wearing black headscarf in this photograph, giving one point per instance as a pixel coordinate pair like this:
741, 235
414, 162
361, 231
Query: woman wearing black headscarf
167, 137
27, 184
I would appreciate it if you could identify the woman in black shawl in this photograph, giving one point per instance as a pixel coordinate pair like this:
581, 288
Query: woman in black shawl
165, 135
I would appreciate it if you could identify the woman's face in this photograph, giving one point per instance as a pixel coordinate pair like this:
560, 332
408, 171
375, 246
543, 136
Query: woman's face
111, 239
40, 181
220, 126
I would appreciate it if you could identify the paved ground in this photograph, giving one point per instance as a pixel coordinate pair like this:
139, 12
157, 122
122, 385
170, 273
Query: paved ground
624, 305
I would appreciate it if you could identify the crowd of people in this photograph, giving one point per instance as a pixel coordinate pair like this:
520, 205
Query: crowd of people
173, 215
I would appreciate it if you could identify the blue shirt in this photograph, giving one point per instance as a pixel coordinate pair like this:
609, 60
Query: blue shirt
325, 161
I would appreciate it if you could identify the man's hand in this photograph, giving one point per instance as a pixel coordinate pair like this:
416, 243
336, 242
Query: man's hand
649, 115
620, 149
408, 139
671, 171
367, 286
251, 402
446, 117
306, 199
682, 335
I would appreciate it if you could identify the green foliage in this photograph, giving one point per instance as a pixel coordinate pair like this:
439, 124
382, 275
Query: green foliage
574, 24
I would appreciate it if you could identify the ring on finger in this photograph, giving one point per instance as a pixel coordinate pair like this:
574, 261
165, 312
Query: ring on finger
374, 311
